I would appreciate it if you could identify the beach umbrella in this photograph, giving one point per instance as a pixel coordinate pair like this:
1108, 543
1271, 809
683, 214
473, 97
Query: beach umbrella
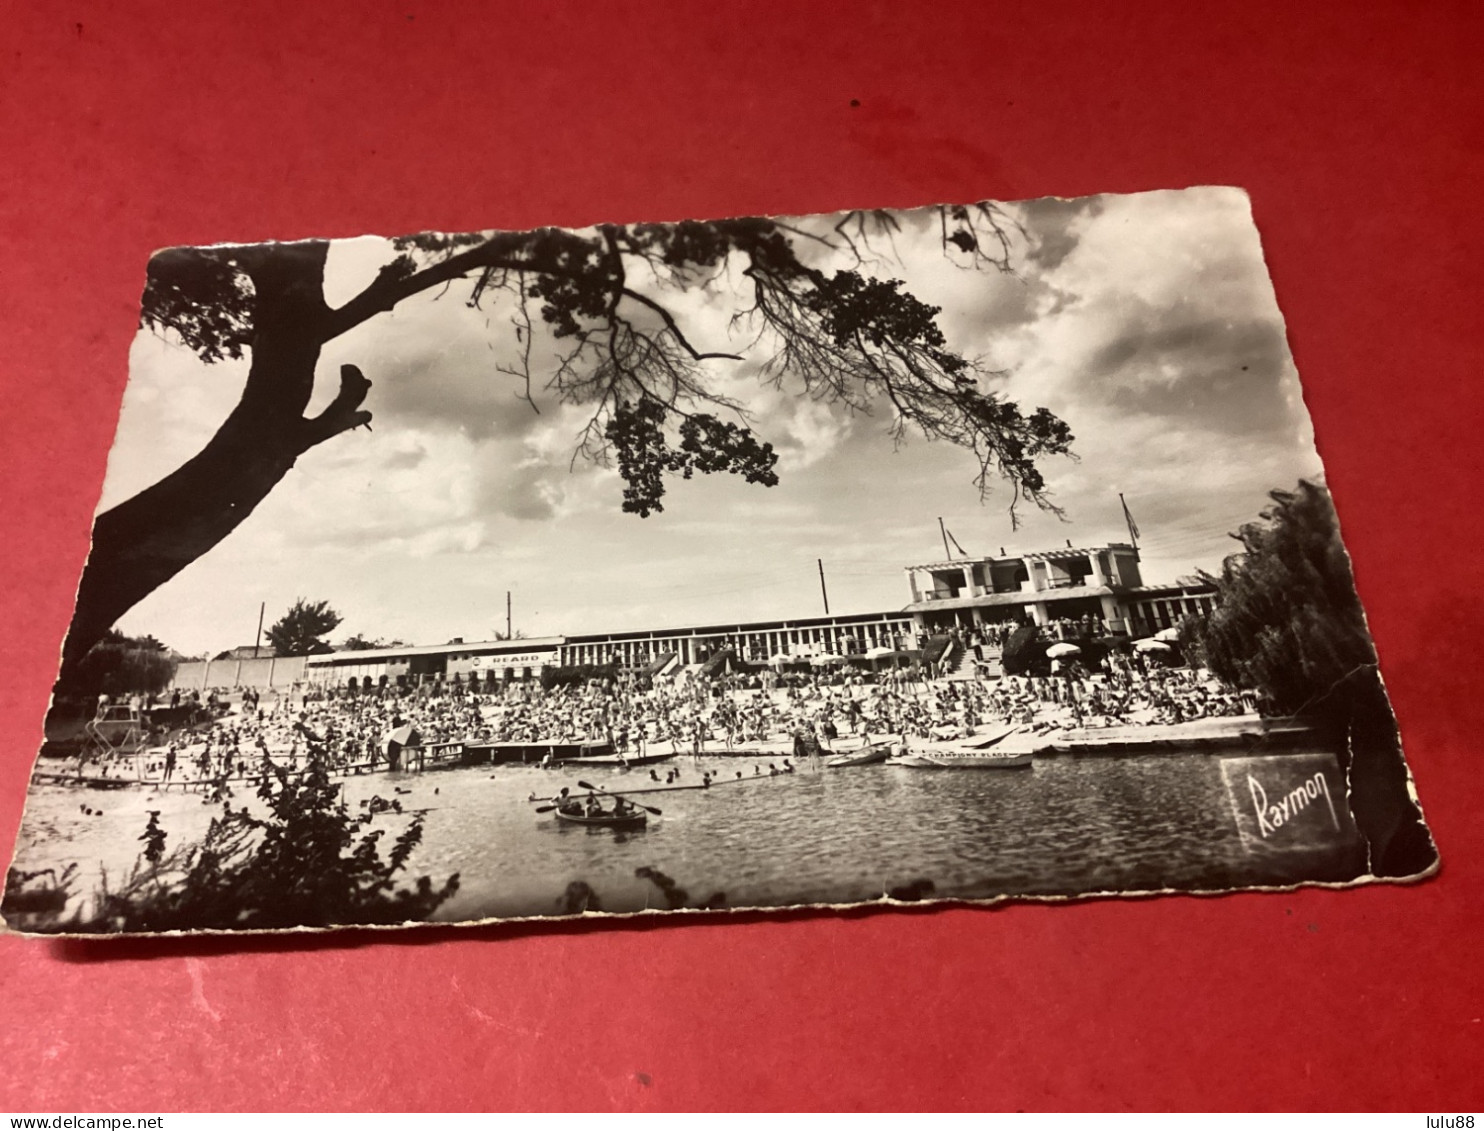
1063, 650
402, 736
826, 661
1151, 646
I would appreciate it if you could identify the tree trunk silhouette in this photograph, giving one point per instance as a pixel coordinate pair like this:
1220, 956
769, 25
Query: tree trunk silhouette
652, 400
145, 541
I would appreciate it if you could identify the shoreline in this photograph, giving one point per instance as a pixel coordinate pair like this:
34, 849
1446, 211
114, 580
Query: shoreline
1209, 735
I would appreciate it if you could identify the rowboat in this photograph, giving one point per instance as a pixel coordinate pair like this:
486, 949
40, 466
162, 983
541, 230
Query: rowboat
866, 756
606, 820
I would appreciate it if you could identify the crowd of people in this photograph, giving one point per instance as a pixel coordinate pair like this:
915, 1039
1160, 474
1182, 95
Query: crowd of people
741, 712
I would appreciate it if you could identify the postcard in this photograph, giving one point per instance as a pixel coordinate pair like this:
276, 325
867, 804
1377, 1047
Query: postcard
961, 553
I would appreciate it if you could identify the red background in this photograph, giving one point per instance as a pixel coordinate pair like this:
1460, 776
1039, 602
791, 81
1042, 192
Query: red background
1357, 129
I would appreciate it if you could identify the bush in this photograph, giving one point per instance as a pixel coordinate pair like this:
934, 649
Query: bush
309, 862
1287, 621
1025, 653
119, 665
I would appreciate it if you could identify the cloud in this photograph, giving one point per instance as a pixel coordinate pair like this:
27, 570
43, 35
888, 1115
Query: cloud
1055, 226
1147, 322
1173, 317
436, 363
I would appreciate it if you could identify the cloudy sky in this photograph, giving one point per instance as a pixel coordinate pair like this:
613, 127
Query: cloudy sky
1147, 322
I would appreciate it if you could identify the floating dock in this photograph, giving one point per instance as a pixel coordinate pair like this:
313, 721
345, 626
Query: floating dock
1226, 732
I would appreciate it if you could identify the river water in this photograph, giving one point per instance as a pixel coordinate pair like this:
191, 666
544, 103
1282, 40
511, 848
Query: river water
1066, 825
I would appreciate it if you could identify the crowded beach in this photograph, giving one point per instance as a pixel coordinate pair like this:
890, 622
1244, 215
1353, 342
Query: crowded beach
632, 719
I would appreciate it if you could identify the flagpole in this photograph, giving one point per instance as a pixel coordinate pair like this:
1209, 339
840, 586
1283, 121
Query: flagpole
1133, 532
943, 530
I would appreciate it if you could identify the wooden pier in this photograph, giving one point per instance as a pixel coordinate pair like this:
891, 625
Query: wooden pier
1222, 733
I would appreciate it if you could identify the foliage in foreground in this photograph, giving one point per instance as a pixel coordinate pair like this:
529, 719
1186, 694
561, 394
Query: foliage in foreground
1288, 622
309, 862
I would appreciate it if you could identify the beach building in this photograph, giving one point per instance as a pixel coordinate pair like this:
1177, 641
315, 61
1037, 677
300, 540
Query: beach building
485, 661
1070, 593
754, 641
1096, 590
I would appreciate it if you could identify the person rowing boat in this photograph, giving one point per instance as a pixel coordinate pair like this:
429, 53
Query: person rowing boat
590, 811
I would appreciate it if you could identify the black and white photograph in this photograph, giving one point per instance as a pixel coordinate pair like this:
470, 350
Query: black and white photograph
955, 554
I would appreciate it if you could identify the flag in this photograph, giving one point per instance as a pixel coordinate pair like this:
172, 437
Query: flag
1133, 527
954, 540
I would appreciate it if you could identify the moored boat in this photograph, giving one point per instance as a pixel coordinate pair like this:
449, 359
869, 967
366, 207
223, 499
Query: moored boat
1014, 749
952, 760
866, 756
916, 761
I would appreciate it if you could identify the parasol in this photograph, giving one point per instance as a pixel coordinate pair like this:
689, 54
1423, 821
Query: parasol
405, 735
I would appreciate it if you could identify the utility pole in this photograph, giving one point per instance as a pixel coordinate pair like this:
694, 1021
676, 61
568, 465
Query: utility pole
823, 592
509, 635
258, 639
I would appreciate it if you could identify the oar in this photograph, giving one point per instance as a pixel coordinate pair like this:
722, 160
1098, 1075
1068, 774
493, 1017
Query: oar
640, 804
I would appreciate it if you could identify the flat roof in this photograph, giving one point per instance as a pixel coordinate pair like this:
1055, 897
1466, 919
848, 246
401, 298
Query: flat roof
479, 647
989, 599
740, 626
1187, 585
1037, 556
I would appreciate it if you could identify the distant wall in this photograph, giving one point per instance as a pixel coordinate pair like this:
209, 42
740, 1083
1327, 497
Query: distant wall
264, 672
